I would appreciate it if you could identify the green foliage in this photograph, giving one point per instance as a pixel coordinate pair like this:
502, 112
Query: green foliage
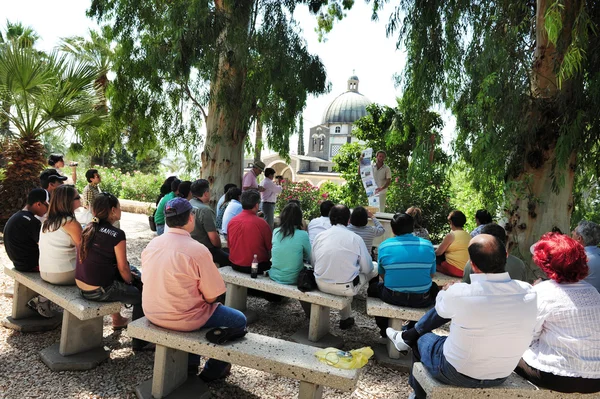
301, 136
133, 186
586, 199
465, 197
310, 198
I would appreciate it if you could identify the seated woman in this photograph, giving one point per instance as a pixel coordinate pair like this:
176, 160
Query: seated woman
565, 353
291, 246
454, 247
482, 218
419, 230
103, 273
221, 209
358, 225
60, 237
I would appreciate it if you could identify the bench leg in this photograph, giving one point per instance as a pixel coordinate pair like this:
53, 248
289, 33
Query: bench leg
236, 297
21, 296
310, 391
319, 322
393, 353
170, 371
78, 336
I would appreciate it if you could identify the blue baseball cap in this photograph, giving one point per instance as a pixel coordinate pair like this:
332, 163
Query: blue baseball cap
177, 206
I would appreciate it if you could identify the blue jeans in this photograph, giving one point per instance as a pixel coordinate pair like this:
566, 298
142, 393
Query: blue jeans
160, 229
222, 317
429, 350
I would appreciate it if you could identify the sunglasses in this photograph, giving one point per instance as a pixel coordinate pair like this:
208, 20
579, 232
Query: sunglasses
77, 198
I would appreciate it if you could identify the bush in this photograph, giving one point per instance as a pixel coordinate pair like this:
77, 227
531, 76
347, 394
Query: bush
310, 198
136, 186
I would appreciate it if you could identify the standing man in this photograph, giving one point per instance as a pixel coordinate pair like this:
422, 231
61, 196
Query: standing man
205, 227
21, 237
249, 235
342, 261
382, 175
588, 234
181, 284
249, 181
92, 190
492, 322
50, 179
269, 196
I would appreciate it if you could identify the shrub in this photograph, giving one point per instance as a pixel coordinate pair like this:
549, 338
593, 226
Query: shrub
136, 186
310, 198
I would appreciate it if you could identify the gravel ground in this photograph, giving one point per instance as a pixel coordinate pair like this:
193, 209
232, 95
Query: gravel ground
23, 375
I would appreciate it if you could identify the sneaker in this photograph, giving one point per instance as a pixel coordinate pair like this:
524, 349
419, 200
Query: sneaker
346, 323
43, 308
208, 376
396, 337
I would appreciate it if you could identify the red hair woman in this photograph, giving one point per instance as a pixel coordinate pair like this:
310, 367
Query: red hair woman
565, 353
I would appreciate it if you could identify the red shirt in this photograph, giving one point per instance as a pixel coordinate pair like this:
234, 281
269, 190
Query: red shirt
247, 234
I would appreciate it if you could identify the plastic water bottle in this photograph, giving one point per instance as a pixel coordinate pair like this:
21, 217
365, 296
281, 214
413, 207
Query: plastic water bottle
254, 267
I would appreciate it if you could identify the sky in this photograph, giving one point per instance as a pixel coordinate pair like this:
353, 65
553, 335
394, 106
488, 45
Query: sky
356, 45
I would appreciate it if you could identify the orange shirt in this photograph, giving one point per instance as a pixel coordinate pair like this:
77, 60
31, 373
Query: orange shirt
178, 274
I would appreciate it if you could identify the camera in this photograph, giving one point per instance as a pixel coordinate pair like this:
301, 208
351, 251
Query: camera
72, 163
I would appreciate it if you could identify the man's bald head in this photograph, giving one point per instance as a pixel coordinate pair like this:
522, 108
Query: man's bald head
487, 253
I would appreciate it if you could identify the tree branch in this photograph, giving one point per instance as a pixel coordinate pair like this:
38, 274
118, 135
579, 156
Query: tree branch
189, 94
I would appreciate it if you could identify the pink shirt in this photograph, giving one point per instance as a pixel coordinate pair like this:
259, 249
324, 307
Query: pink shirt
249, 180
271, 192
178, 274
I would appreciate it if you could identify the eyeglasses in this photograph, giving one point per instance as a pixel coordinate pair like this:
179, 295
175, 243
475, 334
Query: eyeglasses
77, 198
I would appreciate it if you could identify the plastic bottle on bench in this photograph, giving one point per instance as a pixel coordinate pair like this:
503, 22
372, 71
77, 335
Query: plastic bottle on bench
254, 267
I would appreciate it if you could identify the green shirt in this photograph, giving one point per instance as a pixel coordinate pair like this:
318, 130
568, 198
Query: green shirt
159, 215
287, 256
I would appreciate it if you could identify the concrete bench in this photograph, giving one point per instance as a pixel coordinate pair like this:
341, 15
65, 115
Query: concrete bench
80, 346
514, 387
321, 303
272, 355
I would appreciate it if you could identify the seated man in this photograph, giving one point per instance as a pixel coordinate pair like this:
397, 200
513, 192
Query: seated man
406, 263
205, 226
233, 209
181, 283
21, 237
588, 234
492, 321
322, 223
249, 235
514, 266
341, 260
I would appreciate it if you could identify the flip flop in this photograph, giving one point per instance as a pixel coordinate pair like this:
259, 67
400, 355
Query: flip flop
221, 335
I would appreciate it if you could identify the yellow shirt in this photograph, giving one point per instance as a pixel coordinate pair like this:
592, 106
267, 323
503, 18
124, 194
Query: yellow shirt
456, 253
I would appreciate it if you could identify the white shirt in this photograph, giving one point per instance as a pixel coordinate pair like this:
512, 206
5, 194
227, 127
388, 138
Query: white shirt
271, 192
233, 209
317, 226
58, 253
339, 256
492, 324
566, 338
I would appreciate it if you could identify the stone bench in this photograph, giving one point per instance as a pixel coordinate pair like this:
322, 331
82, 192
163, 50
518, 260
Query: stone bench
514, 387
80, 346
272, 355
321, 303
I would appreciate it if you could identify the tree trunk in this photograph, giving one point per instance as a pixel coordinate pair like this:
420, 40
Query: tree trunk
536, 207
258, 144
227, 121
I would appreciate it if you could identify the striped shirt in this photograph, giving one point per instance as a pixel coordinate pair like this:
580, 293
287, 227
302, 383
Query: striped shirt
566, 339
407, 263
368, 233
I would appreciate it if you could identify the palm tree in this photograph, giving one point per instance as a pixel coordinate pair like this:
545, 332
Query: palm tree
47, 93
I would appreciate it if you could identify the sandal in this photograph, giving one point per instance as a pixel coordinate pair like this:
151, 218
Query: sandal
221, 335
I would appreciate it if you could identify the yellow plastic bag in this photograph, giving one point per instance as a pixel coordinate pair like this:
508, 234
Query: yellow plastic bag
354, 359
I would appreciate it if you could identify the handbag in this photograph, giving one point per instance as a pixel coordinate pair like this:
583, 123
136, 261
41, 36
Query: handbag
306, 280
151, 221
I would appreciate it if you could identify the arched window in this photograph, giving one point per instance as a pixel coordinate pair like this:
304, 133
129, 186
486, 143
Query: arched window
314, 144
338, 129
321, 143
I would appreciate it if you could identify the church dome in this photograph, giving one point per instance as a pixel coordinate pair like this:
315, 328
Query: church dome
348, 106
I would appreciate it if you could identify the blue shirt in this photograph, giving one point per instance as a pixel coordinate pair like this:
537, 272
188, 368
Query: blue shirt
593, 254
233, 209
287, 256
407, 263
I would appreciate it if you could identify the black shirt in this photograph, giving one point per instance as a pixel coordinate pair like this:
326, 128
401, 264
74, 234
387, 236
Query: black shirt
21, 237
99, 268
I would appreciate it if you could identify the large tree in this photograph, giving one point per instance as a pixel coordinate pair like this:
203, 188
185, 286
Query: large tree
523, 80
224, 63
